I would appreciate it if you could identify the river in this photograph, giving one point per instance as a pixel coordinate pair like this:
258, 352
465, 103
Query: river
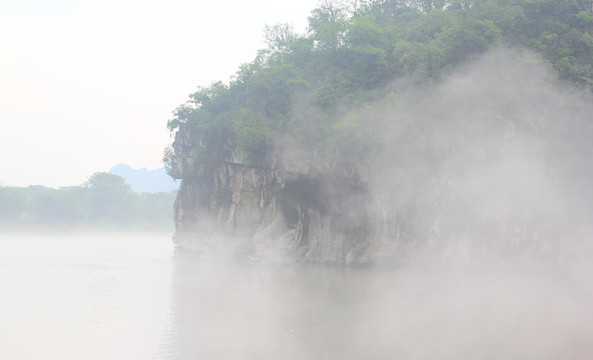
123, 296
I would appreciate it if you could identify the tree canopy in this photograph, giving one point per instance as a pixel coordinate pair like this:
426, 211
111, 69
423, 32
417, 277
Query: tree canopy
309, 87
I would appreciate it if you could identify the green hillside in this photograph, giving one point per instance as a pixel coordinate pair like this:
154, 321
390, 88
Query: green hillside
308, 89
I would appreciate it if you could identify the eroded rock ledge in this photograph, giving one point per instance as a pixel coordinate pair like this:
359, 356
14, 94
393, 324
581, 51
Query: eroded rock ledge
278, 209
306, 208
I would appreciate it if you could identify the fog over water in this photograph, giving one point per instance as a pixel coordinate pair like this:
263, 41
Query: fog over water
522, 165
313, 312
136, 297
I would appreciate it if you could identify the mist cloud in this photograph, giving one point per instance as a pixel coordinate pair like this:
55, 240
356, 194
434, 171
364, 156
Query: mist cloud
496, 156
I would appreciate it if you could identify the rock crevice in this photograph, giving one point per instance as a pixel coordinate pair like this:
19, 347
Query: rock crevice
267, 210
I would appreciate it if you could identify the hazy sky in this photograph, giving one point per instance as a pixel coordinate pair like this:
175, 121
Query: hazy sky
85, 85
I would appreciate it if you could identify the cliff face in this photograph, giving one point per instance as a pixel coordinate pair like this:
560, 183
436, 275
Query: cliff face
323, 212
490, 165
326, 212
278, 209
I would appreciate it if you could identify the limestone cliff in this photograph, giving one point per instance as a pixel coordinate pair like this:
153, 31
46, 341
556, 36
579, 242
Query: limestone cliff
493, 163
280, 208
314, 210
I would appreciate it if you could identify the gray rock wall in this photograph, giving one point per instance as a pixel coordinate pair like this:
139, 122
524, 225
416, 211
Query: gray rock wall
280, 210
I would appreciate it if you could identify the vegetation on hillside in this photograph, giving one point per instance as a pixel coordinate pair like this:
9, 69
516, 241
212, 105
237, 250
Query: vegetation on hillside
104, 202
308, 90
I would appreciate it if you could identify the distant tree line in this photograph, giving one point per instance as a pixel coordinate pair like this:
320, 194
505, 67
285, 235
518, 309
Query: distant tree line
104, 202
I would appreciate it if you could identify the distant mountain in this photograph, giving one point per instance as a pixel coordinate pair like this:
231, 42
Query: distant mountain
144, 180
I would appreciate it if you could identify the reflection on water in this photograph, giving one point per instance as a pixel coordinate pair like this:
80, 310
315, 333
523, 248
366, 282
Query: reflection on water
241, 309
134, 297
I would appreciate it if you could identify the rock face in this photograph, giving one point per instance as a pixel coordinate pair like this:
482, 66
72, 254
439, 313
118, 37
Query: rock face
277, 209
280, 207
492, 164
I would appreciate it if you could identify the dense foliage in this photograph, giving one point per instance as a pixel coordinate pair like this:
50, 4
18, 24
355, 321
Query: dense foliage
308, 88
104, 202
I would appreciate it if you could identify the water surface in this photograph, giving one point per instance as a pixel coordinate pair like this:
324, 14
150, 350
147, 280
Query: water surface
136, 297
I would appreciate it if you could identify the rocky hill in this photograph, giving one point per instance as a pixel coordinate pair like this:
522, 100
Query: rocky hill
391, 133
